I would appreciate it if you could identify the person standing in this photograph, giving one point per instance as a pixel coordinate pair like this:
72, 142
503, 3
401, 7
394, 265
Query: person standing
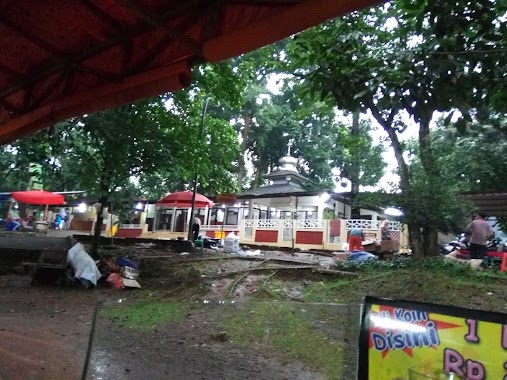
63, 219
480, 231
66, 219
356, 238
196, 226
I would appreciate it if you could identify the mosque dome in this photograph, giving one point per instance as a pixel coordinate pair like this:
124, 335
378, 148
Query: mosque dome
288, 163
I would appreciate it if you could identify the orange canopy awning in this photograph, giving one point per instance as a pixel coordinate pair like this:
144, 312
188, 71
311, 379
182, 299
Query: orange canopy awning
60, 58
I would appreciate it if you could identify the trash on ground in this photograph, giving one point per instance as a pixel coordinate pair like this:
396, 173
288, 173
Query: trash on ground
129, 273
123, 262
106, 267
120, 274
341, 255
361, 256
82, 263
247, 253
210, 242
145, 245
130, 283
231, 243
457, 257
115, 280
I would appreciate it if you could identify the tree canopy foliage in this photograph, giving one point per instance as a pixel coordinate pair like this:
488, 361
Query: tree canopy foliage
410, 58
405, 62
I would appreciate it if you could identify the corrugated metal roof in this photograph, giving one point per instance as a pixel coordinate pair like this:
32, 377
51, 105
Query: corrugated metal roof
286, 189
492, 203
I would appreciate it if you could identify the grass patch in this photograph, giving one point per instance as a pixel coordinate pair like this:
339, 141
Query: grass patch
146, 315
326, 291
432, 280
281, 330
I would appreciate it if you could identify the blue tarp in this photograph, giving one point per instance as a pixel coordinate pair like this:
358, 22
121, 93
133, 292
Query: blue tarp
4, 197
361, 256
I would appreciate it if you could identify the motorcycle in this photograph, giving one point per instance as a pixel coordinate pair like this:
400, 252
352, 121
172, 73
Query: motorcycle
459, 243
494, 244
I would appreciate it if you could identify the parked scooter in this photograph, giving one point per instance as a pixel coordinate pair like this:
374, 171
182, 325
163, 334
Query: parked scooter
459, 243
496, 245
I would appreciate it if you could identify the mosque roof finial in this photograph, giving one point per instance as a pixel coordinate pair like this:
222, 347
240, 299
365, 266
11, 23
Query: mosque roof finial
288, 162
289, 145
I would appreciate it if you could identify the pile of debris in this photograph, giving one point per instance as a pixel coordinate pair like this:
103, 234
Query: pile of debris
120, 273
76, 265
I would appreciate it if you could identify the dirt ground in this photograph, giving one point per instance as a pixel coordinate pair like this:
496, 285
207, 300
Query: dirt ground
187, 350
45, 329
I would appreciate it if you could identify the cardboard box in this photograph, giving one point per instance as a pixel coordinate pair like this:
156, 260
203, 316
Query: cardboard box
370, 247
341, 255
389, 246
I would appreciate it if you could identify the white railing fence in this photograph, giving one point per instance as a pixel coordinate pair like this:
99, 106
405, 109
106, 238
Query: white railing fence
214, 227
289, 229
131, 226
310, 223
373, 225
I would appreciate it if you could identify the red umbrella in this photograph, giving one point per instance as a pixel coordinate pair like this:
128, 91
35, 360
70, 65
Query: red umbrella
184, 199
38, 197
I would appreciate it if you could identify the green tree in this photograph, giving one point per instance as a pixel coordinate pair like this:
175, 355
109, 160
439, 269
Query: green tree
474, 159
108, 148
144, 139
247, 120
274, 125
16, 158
407, 58
317, 147
357, 158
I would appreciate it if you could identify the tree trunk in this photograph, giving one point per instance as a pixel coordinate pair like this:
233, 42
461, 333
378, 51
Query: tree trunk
354, 173
259, 173
246, 131
423, 239
98, 228
430, 231
426, 154
414, 230
430, 239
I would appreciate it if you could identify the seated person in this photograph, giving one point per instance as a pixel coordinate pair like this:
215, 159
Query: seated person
13, 221
31, 219
58, 222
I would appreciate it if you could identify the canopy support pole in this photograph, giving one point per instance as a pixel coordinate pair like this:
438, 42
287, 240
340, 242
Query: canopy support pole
196, 177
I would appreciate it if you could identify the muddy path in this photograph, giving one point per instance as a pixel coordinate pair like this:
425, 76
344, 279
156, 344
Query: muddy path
197, 348
45, 330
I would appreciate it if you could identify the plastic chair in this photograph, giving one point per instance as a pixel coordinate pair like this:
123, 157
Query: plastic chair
504, 263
